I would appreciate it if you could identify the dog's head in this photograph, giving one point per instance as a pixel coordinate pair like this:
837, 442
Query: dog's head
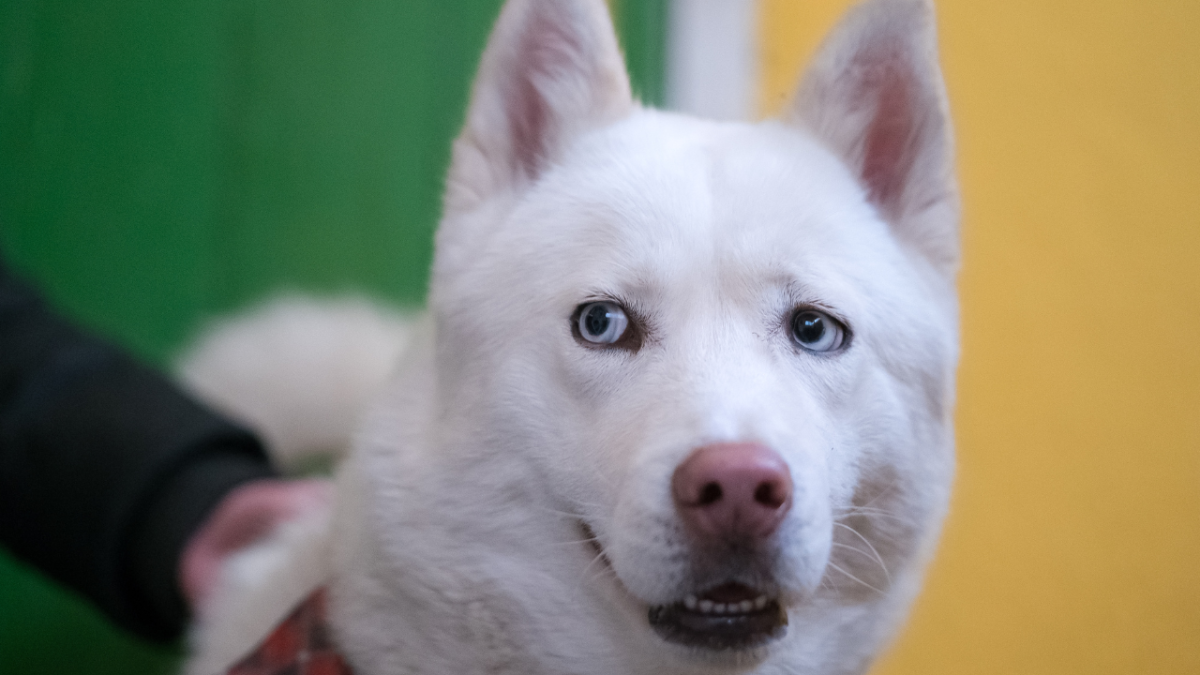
727, 348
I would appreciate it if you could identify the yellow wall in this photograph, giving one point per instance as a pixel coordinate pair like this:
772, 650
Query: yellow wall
1074, 540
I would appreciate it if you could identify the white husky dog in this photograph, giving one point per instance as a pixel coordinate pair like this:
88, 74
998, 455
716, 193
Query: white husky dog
682, 401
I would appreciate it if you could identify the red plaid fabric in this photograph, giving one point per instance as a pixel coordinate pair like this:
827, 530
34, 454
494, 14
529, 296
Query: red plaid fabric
299, 646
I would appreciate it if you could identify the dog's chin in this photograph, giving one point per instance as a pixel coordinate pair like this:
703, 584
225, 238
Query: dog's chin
728, 618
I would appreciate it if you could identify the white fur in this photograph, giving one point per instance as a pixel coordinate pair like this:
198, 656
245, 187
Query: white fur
456, 544
299, 370
260, 586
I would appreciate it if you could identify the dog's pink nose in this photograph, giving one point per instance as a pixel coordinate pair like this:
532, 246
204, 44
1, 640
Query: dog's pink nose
732, 492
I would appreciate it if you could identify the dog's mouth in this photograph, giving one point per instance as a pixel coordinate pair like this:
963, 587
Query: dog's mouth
729, 617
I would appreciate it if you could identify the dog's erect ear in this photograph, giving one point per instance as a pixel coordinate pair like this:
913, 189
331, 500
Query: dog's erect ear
552, 69
874, 94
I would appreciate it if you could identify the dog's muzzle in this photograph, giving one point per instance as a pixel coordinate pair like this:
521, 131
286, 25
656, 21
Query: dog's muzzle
728, 496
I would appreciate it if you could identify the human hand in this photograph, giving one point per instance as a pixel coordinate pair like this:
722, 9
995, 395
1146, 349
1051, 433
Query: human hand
248, 513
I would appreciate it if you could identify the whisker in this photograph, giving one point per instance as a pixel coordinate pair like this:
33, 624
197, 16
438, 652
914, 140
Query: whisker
556, 512
878, 558
874, 513
839, 569
882, 493
589, 575
862, 553
855, 549
573, 542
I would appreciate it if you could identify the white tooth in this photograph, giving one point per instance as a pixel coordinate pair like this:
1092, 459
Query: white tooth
719, 608
690, 602
706, 605
746, 605
760, 602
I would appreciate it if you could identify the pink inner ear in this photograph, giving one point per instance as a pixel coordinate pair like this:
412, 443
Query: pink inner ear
548, 45
890, 143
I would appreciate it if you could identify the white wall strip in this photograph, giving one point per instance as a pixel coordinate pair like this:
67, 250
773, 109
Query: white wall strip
712, 58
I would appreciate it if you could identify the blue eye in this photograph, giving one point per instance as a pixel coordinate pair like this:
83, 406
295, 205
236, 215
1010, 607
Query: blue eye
602, 323
817, 331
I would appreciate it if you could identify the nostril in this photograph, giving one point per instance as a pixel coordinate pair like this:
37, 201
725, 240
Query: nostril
711, 493
770, 494
732, 491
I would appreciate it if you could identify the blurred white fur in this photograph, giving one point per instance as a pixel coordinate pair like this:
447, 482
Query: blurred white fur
260, 586
298, 370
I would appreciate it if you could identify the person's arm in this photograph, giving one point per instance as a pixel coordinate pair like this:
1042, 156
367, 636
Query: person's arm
107, 471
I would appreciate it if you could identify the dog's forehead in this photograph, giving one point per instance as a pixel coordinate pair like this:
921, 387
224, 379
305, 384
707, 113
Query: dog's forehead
670, 196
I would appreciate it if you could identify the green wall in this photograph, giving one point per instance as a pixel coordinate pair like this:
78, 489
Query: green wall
162, 162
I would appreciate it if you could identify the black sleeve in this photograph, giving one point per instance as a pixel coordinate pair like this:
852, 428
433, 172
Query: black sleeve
105, 467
